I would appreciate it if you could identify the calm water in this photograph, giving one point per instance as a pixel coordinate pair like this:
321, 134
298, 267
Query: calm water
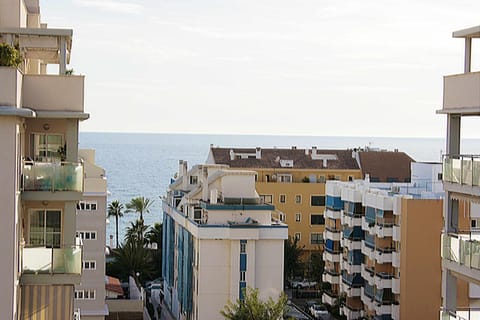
143, 164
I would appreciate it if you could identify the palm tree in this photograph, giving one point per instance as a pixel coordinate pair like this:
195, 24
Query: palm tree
136, 233
140, 205
133, 259
115, 209
154, 235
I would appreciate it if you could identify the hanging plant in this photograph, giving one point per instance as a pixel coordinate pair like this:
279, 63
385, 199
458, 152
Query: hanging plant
9, 56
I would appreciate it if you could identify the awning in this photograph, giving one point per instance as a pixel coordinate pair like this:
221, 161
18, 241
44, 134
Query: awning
41, 302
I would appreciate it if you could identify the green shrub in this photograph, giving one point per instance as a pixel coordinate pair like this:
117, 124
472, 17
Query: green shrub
9, 56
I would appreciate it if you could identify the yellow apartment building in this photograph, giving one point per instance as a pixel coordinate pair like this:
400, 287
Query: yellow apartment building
293, 180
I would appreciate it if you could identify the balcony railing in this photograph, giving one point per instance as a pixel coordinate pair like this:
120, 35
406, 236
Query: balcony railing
43, 260
462, 248
48, 176
462, 169
460, 314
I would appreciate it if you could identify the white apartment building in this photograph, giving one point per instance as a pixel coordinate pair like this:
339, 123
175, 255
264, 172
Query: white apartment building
218, 239
90, 292
41, 175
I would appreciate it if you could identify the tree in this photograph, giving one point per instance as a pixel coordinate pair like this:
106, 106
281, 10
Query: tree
154, 235
115, 210
136, 233
139, 205
9, 56
252, 308
131, 259
292, 254
316, 266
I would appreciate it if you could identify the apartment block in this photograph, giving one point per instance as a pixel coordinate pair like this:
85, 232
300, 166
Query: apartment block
91, 228
461, 181
294, 181
219, 238
385, 230
41, 175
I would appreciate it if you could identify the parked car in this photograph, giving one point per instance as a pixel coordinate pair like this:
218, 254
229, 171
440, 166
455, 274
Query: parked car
308, 304
303, 284
318, 311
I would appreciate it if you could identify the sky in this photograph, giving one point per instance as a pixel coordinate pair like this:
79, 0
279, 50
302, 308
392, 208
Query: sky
276, 67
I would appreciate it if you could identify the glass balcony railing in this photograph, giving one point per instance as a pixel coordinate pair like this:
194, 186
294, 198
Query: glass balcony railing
460, 314
48, 176
462, 169
462, 248
43, 260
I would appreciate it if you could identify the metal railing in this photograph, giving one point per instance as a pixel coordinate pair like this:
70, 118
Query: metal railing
52, 176
43, 260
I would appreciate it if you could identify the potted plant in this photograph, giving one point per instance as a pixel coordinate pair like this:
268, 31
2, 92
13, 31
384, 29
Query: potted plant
9, 56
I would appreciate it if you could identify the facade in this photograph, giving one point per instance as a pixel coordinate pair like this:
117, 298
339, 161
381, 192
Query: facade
90, 293
41, 175
218, 239
385, 230
294, 180
461, 241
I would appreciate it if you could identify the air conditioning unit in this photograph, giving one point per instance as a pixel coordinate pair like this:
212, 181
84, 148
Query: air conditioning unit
395, 189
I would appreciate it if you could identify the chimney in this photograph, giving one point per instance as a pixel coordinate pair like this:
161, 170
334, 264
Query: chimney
294, 147
314, 151
204, 183
325, 162
258, 153
306, 152
232, 155
184, 175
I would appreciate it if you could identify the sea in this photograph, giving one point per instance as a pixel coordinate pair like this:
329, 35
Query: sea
139, 164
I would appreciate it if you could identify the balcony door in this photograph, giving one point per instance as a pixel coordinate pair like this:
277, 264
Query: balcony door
47, 147
45, 228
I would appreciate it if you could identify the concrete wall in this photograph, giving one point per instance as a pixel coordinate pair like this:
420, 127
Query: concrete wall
9, 228
420, 262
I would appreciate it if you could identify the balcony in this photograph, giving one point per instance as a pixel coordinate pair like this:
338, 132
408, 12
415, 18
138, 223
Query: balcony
332, 233
368, 225
460, 171
351, 268
350, 291
461, 93
367, 296
331, 276
11, 80
383, 255
355, 244
52, 177
383, 227
396, 234
396, 285
332, 214
331, 255
381, 309
352, 220
39, 264
53, 92
368, 249
329, 298
368, 274
383, 280
460, 314
351, 312
396, 259
461, 253
396, 312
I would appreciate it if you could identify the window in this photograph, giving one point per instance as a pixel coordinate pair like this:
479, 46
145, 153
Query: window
350, 178
298, 236
87, 205
266, 198
283, 216
242, 276
89, 265
439, 176
317, 201
286, 178
45, 228
316, 238
85, 294
321, 179
298, 217
317, 219
298, 198
193, 179
47, 147
283, 198
243, 246
87, 235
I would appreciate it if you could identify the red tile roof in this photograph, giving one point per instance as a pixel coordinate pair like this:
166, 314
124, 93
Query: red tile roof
113, 284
